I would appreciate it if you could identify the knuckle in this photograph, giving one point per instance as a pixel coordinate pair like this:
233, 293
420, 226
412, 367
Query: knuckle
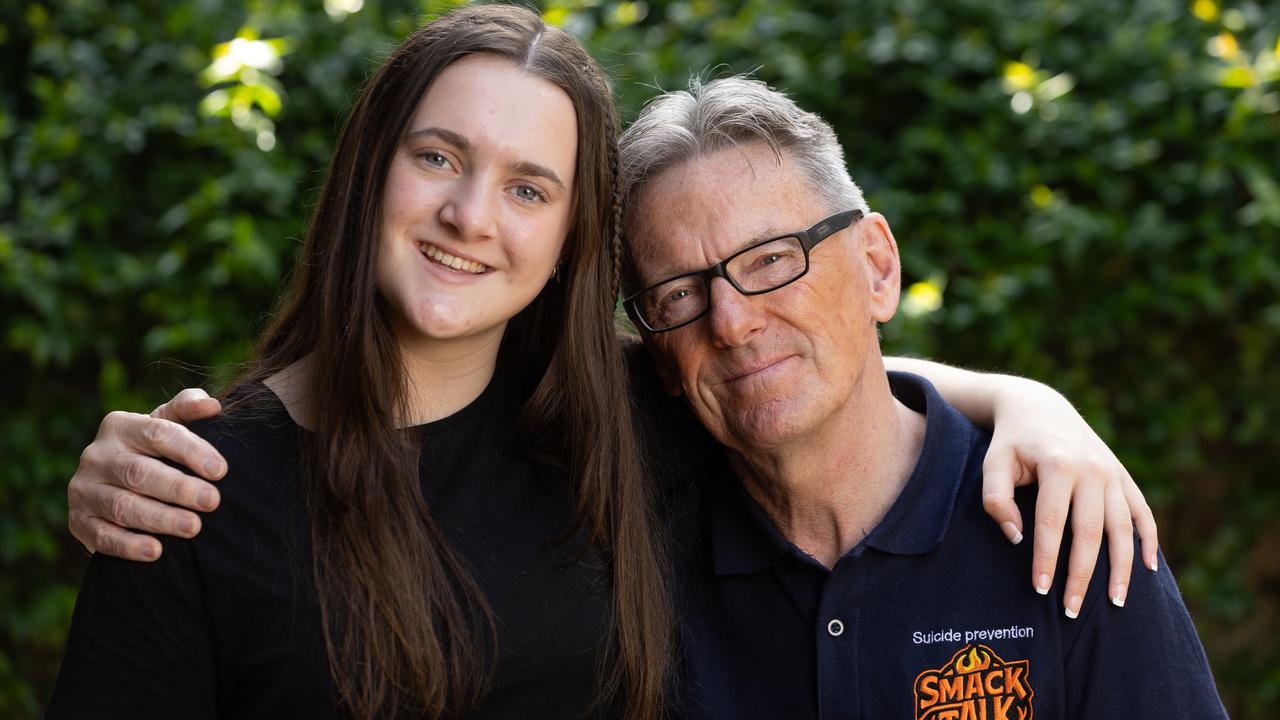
90, 457
111, 420
1050, 520
1122, 527
178, 491
103, 540
134, 472
76, 525
1044, 557
75, 492
993, 501
1088, 532
157, 431
160, 521
121, 508
1057, 462
1096, 467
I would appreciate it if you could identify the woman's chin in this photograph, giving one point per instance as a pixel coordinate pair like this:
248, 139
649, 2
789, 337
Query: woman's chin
445, 324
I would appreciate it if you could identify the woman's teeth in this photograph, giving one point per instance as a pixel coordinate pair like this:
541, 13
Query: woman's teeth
452, 261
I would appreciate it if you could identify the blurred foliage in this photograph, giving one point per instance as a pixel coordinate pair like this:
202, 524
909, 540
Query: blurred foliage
1084, 191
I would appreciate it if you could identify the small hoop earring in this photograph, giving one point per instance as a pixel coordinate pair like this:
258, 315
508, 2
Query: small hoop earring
555, 273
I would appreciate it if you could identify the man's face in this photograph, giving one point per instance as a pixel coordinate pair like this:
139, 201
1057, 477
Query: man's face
765, 370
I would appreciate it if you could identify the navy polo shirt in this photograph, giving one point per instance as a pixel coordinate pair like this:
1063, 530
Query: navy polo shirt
931, 616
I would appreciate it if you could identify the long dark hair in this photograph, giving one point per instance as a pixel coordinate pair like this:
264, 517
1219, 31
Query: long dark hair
406, 627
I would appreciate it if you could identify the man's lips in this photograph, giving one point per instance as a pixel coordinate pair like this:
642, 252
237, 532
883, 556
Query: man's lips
748, 370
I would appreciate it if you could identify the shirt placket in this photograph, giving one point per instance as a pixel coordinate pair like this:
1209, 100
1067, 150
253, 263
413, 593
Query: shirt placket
837, 624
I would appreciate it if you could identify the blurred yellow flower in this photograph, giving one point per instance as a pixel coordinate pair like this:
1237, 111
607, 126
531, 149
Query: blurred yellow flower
1206, 10
555, 16
1224, 45
922, 298
1041, 196
1237, 77
629, 13
1018, 76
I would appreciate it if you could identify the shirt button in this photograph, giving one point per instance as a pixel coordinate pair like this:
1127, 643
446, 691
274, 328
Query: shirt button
836, 628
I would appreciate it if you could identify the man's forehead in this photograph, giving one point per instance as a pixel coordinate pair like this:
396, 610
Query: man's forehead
712, 204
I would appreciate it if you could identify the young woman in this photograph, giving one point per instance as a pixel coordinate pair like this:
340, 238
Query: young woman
385, 544
435, 503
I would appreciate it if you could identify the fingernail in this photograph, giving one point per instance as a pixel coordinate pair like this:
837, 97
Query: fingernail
1117, 595
187, 526
151, 552
212, 467
1011, 532
1073, 607
207, 499
1153, 564
1042, 584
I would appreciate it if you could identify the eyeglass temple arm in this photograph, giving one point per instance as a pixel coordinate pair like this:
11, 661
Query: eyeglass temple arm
829, 227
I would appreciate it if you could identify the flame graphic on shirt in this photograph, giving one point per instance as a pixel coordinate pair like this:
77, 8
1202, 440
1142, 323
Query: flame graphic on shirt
975, 684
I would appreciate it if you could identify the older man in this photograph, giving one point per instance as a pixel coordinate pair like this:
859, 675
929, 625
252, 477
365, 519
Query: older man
850, 573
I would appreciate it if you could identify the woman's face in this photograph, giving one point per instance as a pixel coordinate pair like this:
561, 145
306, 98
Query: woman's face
477, 202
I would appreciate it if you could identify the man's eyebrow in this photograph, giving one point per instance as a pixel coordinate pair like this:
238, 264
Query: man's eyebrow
768, 233
523, 167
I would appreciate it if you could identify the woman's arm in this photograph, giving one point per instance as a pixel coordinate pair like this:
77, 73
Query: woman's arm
140, 643
1039, 437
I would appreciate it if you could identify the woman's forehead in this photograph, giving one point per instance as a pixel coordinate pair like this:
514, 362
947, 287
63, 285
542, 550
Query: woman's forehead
500, 109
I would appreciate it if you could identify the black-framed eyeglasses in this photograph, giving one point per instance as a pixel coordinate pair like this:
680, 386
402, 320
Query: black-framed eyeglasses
755, 270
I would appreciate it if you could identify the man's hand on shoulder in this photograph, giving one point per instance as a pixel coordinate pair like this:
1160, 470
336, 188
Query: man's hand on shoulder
121, 484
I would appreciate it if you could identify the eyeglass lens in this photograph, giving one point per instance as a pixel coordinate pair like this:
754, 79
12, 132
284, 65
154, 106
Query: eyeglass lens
755, 270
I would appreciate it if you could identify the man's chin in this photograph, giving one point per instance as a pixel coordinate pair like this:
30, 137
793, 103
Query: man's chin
765, 426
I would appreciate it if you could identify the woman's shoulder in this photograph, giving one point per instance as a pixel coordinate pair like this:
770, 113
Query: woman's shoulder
251, 416
254, 434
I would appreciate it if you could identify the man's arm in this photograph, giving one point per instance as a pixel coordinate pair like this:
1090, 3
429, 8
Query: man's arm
1145, 662
1039, 437
122, 483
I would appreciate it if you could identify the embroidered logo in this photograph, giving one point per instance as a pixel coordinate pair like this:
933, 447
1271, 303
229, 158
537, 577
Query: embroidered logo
975, 684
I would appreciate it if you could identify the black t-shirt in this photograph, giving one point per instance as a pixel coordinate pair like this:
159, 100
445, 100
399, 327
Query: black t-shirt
227, 624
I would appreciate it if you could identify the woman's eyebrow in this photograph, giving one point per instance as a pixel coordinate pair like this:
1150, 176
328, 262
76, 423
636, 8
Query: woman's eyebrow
448, 136
524, 167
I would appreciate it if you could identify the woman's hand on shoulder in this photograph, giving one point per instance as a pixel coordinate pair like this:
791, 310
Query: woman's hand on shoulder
1039, 437
122, 486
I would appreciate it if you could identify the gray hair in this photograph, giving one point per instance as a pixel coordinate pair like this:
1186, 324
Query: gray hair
679, 125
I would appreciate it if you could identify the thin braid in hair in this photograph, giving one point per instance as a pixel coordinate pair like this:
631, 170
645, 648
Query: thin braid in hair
615, 245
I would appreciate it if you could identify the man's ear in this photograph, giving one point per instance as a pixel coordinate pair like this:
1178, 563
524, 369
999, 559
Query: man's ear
884, 267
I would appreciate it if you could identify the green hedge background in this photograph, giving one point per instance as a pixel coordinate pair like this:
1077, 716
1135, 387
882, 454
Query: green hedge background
1085, 191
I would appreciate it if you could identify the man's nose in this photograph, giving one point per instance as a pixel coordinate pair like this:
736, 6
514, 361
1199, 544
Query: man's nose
470, 208
733, 317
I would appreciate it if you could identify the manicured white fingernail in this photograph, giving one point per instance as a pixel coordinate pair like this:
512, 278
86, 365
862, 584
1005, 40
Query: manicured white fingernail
1117, 596
1073, 607
1042, 584
1154, 564
1011, 532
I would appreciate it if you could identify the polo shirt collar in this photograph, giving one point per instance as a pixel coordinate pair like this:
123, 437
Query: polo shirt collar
745, 540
